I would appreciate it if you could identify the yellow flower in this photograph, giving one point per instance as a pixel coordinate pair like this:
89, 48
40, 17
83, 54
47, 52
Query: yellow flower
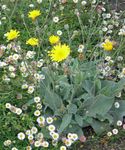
32, 41
54, 39
107, 45
12, 34
34, 14
59, 52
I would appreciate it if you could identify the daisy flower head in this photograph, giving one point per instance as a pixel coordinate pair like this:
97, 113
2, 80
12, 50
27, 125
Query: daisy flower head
63, 148
115, 131
21, 136
32, 41
12, 34
34, 14
107, 45
59, 52
54, 39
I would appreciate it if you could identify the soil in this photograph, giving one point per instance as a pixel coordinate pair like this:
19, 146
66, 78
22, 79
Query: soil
99, 145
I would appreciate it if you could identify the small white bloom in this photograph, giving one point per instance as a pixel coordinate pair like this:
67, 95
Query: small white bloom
83, 3
119, 123
34, 130
51, 128
49, 120
56, 19
39, 64
14, 148
107, 58
23, 69
12, 75
109, 134
8, 105
4, 7
55, 136
63, 148
37, 144
75, 136
7, 142
110, 27
30, 137
39, 106
39, 1
37, 113
80, 50
108, 15
28, 132
37, 99
104, 29
42, 77
15, 57
59, 32
28, 148
11, 68
69, 136
117, 105
93, 1
45, 144
18, 111
31, 5
25, 86
40, 135
2, 64
21, 136
75, 1
68, 142
41, 120
31, 89
115, 131
120, 58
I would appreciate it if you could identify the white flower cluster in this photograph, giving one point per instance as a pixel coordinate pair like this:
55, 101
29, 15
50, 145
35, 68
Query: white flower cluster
14, 109
122, 31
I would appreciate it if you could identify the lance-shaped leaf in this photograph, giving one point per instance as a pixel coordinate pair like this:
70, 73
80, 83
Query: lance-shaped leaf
65, 122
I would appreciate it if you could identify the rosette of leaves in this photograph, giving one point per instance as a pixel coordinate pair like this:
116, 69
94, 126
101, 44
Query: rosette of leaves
80, 99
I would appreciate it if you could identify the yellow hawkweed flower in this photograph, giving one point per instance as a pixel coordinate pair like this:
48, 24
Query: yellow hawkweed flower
59, 52
34, 14
107, 45
12, 34
32, 41
54, 39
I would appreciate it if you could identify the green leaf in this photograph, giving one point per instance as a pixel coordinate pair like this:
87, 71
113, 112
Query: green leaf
65, 90
118, 113
101, 105
107, 117
88, 86
79, 120
72, 108
99, 127
65, 122
52, 100
110, 88
97, 83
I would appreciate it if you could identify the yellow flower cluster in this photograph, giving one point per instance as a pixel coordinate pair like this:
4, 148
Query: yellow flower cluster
54, 39
32, 41
12, 34
59, 52
34, 14
107, 45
